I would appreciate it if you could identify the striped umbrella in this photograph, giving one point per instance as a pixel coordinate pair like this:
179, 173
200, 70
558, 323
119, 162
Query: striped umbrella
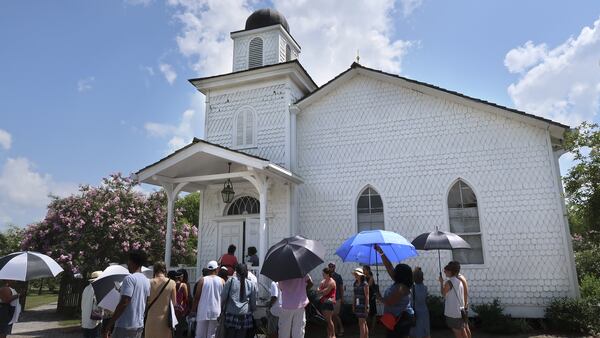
106, 282
27, 265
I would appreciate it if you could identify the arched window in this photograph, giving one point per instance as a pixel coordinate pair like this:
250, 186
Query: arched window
255, 54
288, 53
464, 221
244, 205
244, 134
369, 210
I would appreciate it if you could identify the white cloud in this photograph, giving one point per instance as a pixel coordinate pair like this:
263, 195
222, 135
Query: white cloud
409, 6
179, 135
168, 72
521, 58
24, 191
563, 83
5, 139
205, 33
85, 84
330, 33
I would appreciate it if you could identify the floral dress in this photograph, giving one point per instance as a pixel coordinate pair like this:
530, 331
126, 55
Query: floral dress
360, 309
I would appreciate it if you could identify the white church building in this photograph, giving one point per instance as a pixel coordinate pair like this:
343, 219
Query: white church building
372, 150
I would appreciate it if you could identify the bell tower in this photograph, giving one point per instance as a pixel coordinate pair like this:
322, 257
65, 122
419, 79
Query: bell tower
266, 40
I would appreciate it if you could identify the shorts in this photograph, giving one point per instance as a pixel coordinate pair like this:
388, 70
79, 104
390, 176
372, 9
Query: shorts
120, 332
455, 323
6, 329
327, 305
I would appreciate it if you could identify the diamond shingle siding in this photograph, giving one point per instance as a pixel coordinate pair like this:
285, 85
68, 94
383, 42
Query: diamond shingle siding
411, 148
270, 104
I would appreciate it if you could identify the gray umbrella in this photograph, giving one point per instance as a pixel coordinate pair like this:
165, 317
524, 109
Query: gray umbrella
293, 257
439, 240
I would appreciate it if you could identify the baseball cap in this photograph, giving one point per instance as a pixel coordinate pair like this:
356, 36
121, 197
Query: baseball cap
212, 265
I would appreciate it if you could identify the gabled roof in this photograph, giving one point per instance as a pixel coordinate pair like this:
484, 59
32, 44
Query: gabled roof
205, 161
194, 141
247, 75
356, 68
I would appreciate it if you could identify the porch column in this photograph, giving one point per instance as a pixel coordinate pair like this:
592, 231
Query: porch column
262, 232
172, 191
261, 184
200, 216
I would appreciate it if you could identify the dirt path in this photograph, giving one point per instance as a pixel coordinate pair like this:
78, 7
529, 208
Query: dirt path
43, 322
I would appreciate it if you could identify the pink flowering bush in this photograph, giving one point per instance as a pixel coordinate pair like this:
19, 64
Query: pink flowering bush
86, 231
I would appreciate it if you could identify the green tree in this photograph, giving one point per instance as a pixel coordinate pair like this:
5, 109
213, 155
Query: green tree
582, 182
188, 206
10, 240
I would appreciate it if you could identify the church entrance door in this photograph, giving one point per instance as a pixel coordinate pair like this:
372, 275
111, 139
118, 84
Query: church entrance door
230, 232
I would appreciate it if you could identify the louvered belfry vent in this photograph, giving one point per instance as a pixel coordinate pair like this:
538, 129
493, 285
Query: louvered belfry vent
255, 55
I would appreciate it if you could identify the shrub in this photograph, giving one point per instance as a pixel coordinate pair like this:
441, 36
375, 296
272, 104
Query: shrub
587, 261
573, 315
493, 320
435, 304
590, 288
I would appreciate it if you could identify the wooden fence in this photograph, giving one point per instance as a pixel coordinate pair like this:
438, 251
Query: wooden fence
69, 295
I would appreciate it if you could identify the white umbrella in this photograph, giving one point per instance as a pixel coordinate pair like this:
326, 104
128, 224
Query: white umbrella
148, 272
27, 265
105, 283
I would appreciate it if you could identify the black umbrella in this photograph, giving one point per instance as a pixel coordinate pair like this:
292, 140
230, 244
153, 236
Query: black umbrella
292, 257
439, 240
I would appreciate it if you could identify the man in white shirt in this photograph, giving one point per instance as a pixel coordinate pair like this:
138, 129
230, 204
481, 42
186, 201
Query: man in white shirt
91, 314
273, 310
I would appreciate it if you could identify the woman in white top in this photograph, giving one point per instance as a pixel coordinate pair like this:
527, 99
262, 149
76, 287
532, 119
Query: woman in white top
453, 292
207, 302
8, 295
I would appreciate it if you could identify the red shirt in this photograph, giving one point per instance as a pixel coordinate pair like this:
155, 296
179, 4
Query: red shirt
230, 261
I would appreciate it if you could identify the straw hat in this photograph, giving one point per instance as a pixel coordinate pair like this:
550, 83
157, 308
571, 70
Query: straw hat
95, 275
358, 271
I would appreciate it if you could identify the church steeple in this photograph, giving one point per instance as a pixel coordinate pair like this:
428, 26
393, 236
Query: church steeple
264, 41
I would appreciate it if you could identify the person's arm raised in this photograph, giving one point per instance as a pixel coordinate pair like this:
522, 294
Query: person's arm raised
386, 262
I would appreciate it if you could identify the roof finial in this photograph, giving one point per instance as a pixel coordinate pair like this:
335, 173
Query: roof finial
358, 56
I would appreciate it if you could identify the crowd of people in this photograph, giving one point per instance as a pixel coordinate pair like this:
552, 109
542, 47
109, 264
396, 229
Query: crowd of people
224, 300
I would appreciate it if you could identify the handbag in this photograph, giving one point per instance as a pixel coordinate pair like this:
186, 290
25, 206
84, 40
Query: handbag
154, 301
7, 312
463, 312
389, 321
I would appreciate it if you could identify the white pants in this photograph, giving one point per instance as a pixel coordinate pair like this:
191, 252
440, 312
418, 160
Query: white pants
206, 328
291, 323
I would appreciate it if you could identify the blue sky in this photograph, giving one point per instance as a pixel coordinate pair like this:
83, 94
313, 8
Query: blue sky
88, 88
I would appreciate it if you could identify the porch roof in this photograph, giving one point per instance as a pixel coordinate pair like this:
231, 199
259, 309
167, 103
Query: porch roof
201, 163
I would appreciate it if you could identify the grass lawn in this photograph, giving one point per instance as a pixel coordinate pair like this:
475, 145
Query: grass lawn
35, 300
69, 322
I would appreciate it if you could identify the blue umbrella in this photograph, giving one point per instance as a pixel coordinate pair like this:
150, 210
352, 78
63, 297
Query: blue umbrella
361, 248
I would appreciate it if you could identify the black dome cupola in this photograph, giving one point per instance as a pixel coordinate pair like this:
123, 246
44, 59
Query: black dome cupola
266, 17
